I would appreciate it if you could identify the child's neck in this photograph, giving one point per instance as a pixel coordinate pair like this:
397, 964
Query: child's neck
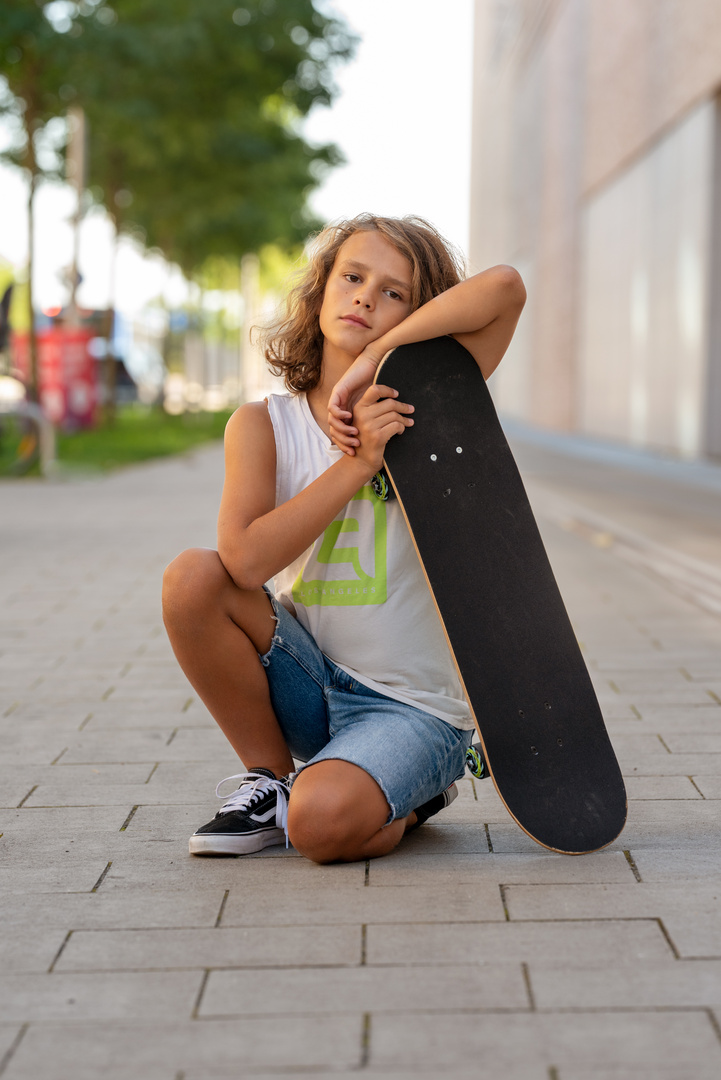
334, 365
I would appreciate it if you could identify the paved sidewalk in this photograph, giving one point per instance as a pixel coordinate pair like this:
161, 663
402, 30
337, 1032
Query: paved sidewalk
470, 952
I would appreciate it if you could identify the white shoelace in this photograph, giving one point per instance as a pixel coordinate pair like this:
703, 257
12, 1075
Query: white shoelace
253, 786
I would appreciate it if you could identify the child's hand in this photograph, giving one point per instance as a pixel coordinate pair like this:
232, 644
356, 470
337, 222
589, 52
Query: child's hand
379, 416
344, 397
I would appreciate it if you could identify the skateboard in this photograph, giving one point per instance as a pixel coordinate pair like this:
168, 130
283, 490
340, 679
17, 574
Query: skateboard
539, 723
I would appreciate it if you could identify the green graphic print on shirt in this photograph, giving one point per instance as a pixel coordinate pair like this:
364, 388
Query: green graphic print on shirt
361, 589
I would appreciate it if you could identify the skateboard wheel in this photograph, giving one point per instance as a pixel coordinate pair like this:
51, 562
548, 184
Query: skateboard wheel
476, 762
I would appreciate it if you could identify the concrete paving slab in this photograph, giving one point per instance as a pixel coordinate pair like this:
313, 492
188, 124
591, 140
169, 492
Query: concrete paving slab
73, 795
699, 720
108, 747
360, 905
137, 867
657, 1072
144, 997
30, 748
641, 900
690, 743
709, 786
700, 862
363, 989
75, 822
677, 984
402, 869
114, 910
662, 788
675, 1040
480, 1072
242, 947
610, 942
77, 872
671, 765
123, 717
30, 949
208, 1047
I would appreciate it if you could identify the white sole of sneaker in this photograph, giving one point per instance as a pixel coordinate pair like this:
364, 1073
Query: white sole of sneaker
216, 844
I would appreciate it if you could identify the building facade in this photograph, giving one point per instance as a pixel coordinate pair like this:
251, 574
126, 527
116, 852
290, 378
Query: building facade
597, 172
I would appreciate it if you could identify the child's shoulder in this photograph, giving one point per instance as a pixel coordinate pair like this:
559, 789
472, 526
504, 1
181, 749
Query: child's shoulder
252, 417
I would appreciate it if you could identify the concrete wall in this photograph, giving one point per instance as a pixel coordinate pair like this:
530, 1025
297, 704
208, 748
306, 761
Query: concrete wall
594, 172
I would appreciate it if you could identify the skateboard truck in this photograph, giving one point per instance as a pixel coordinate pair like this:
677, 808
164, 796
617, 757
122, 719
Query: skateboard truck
476, 762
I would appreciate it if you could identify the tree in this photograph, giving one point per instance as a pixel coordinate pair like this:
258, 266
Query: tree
33, 60
193, 110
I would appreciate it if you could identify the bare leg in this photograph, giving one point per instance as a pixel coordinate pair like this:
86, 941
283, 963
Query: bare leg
337, 813
216, 631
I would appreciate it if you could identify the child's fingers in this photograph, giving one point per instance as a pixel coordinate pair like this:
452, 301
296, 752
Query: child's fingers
338, 413
376, 392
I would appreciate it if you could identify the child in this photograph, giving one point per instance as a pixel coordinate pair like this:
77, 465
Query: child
344, 666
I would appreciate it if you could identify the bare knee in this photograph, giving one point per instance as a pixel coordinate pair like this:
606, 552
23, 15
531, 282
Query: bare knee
191, 584
335, 809
323, 830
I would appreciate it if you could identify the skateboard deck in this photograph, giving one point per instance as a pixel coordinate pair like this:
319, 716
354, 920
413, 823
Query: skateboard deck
533, 703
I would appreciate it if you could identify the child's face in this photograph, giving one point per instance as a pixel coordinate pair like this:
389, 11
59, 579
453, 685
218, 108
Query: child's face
368, 292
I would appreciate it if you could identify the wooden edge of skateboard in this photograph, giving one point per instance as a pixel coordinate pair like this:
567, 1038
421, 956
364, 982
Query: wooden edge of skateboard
558, 851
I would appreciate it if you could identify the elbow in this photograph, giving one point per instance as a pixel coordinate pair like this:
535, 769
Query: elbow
243, 570
510, 283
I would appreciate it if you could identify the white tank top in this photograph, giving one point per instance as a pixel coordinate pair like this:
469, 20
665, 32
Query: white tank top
359, 589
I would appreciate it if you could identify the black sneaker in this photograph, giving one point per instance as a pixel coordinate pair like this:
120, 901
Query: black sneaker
434, 806
254, 817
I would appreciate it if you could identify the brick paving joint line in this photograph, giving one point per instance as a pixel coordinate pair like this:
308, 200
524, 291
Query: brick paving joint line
101, 879
365, 1047
60, 951
714, 1023
25, 799
529, 987
12, 1049
201, 990
669, 940
223, 902
129, 818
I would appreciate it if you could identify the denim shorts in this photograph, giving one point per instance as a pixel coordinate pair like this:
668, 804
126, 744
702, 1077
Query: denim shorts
325, 714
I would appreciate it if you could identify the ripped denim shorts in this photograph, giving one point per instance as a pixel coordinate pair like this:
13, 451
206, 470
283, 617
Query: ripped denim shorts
325, 714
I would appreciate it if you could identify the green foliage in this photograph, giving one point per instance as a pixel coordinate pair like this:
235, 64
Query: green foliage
33, 61
193, 110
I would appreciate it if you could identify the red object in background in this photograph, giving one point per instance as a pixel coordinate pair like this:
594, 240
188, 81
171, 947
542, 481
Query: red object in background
68, 386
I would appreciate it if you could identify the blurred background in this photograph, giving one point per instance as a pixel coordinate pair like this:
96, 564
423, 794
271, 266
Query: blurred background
161, 165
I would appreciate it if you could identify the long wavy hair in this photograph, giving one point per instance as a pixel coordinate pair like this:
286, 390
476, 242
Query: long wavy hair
293, 346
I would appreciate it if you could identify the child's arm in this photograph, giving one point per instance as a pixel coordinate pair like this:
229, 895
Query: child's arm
480, 312
256, 539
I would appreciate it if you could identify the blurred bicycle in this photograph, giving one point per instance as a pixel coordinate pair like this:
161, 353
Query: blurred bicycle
27, 438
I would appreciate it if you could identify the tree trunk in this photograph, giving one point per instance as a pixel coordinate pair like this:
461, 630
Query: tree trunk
33, 387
